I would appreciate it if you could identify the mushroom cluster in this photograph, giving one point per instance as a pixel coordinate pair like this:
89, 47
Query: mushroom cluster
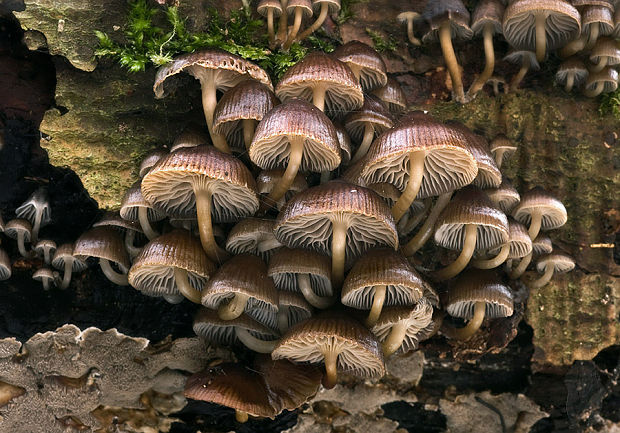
582, 31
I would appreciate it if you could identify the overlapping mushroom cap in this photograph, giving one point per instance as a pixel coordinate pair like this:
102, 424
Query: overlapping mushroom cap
365, 124
505, 196
550, 264
64, 260
136, 209
540, 211
253, 236
479, 286
105, 243
393, 96
365, 63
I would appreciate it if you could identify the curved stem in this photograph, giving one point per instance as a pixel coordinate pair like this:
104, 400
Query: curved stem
321, 302
241, 416
573, 47
535, 222
66, 277
233, 308
489, 55
316, 24
37, 226
270, 30
369, 134
209, 100
377, 305
339, 246
203, 210
412, 223
331, 369
249, 126
495, 261
602, 62
145, 224
593, 36
469, 245
445, 39
283, 23
184, 286
394, 339
296, 25
416, 174
283, 324
253, 343
521, 267
294, 161
133, 251
541, 36
600, 86
570, 82
426, 230
111, 274
542, 281
516, 80
415, 41
472, 326
21, 245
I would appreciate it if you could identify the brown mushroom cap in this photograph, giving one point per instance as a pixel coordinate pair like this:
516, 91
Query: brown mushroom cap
505, 196
572, 67
253, 236
520, 244
286, 263
133, 200
293, 307
151, 159
64, 260
5, 265
605, 51
21, 230
102, 242
479, 286
264, 6
600, 17
487, 12
371, 120
345, 143
393, 96
191, 136
113, 219
561, 263
605, 80
542, 245
365, 63
209, 326
539, 202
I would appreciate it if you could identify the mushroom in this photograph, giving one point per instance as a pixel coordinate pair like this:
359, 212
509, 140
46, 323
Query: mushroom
368, 122
379, 278
448, 18
540, 245
408, 17
297, 130
391, 194
135, 208
106, 244
325, 81
519, 245
336, 217
338, 341
548, 265
191, 136
487, 19
268, 179
571, 72
130, 229
501, 147
65, 261
596, 20
470, 222
527, 60
45, 276
205, 182
605, 52
5, 265
392, 96
495, 81
21, 230
540, 25
366, 64
37, 210
344, 141
605, 81
242, 285
172, 264
239, 110
270, 9
505, 196
474, 296
216, 70
540, 211
150, 160
303, 271
45, 248
292, 309
300, 9
323, 8
253, 236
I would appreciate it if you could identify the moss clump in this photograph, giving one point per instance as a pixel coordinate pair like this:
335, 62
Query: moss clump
610, 104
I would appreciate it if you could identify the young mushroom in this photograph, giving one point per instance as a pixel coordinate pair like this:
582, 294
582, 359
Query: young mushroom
605, 81
409, 17
392, 96
268, 179
292, 309
105, 243
321, 9
5, 265
65, 261
505, 196
519, 245
135, 208
366, 64
191, 136
596, 20
370, 121
571, 72
540, 211
253, 236
502, 148
299, 9
557, 263
527, 60
150, 160
541, 245
45, 248
270, 9
45, 276
21, 230
37, 210
605, 52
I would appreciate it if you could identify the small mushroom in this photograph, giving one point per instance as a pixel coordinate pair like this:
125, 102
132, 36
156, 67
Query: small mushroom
527, 60
596, 20
268, 179
548, 265
540, 211
605, 81
191, 136
37, 210
106, 244
409, 17
45, 248
270, 9
299, 9
605, 52
502, 148
505, 197
5, 265
130, 229
540, 245
65, 261
321, 8
366, 64
367, 123
21, 230
495, 81
572, 72
519, 245
135, 208
45, 276
392, 96
253, 236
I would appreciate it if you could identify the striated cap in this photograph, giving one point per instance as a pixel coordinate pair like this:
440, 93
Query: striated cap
393, 96
597, 16
294, 306
113, 219
151, 159
538, 200
608, 79
208, 325
253, 236
105, 243
333, 6
304, 6
45, 276
505, 196
64, 254
18, 226
438, 11
471, 206
45, 245
561, 263
365, 63
605, 49
268, 179
573, 66
353, 173
502, 144
372, 113
345, 143
133, 201
286, 263
520, 244
519, 57
487, 12
264, 6
191, 136
542, 245
5, 265
479, 286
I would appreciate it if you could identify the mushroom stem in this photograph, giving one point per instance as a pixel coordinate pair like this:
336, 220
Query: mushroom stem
521, 267
516, 80
472, 326
535, 222
209, 100
268, 244
570, 82
294, 161
602, 62
339, 246
445, 39
234, 308
325, 176
321, 302
541, 36
46, 256
495, 261
600, 86
203, 211
241, 416
270, 29
415, 41
21, 245
66, 277
184, 286
416, 174
283, 24
426, 230
318, 97
499, 157
369, 134
593, 36
253, 343
130, 236
46, 284
331, 369
249, 126
37, 226
542, 281
145, 224
317, 23
117, 278
489, 55
573, 47
469, 245
283, 318
377, 305
293, 33
394, 339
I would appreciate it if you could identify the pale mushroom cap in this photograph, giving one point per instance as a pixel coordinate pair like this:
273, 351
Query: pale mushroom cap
519, 240
64, 253
209, 326
505, 197
361, 57
563, 23
16, 226
264, 6
436, 12
271, 148
392, 95
169, 186
537, 199
575, 66
152, 272
605, 3
5, 265
382, 267
561, 263
191, 136
605, 48
151, 159
247, 234
286, 263
343, 92
104, 243
502, 143
133, 200
479, 286
45, 244
449, 163
358, 350
229, 69
608, 76
38, 202
370, 220
518, 56
471, 206
42, 274
542, 245
403, 17
372, 112
487, 12
416, 319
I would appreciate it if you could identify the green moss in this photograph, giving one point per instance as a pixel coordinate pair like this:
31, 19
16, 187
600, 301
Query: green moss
610, 104
382, 44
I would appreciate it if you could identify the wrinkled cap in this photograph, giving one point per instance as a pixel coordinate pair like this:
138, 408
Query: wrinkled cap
306, 220
471, 206
373, 113
582, 3
5, 265
438, 11
382, 267
248, 100
18, 226
572, 66
63, 254
358, 350
151, 159
449, 163
488, 12
542, 245
561, 263
365, 63
152, 272
38, 202
605, 49
268, 179
133, 201
520, 244
608, 76
345, 143
538, 200
305, 7
518, 57
343, 93
191, 136
479, 286
264, 6
393, 96
505, 197
296, 118
209, 326
286, 263
228, 69
113, 219
253, 236
104, 243
169, 186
